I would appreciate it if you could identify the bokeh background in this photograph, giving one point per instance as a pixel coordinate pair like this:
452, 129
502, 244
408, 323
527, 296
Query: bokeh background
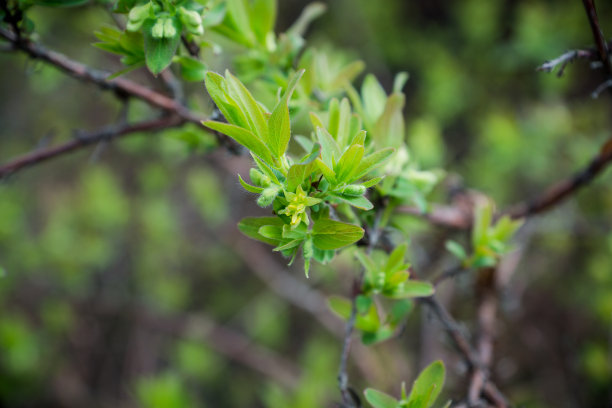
125, 283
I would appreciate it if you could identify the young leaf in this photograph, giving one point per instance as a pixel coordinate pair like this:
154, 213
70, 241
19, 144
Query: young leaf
249, 106
279, 122
263, 16
374, 98
192, 69
389, 128
216, 87
456, 249
250, 227
372, 162
330, 234
428, 385
379, 399
248, 187
339, 305
244, 137
410, 289
356, 201
298, 173
349, 163
159, 51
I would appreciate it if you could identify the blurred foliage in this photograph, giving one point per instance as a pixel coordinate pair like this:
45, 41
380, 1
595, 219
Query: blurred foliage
87, 240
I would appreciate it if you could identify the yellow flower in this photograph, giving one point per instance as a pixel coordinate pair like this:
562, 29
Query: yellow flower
296, 208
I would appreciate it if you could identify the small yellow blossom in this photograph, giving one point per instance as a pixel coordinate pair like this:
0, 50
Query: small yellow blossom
296, 208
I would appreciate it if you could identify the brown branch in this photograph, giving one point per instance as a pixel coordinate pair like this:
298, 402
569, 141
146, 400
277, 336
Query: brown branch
441, 215
602, 45
561, 190
486, 311
462, 344
121, 86
86, 139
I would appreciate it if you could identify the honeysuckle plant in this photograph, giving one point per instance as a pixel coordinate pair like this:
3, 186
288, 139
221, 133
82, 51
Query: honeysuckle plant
330, 161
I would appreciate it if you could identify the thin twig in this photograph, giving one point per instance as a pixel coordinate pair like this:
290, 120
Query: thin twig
564, 59
462, 344
86, 139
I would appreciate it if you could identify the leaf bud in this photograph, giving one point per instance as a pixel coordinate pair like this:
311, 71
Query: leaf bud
192, 21
267, 196
258, 178
354, 190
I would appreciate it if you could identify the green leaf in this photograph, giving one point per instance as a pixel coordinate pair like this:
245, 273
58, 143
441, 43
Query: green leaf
249, 107
250, 227
327, 172
372, 162
248, 187
389, 128
356, 201
340, 306
396, 258
363, 303
279, 122
160, 51
428, 385
263, 16
456, 249
379, 399
239, 13
382, 334
330, 150
191, 69
483, 214
374, 98
349, 163
298, 173
244, 137
410, 289
217, 89
330, 234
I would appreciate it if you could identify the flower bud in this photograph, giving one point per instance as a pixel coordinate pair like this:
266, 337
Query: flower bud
267, 196
137, 16
169, 29
158, 29
192, 21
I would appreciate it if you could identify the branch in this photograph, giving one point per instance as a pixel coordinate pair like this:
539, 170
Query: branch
86, 139
561, 190
489, 390
602, 45
566, 58
444, 216
486, 311
121, 86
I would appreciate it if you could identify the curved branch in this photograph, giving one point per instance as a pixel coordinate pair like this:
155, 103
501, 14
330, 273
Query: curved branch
86, 139
563, 189
121, 86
